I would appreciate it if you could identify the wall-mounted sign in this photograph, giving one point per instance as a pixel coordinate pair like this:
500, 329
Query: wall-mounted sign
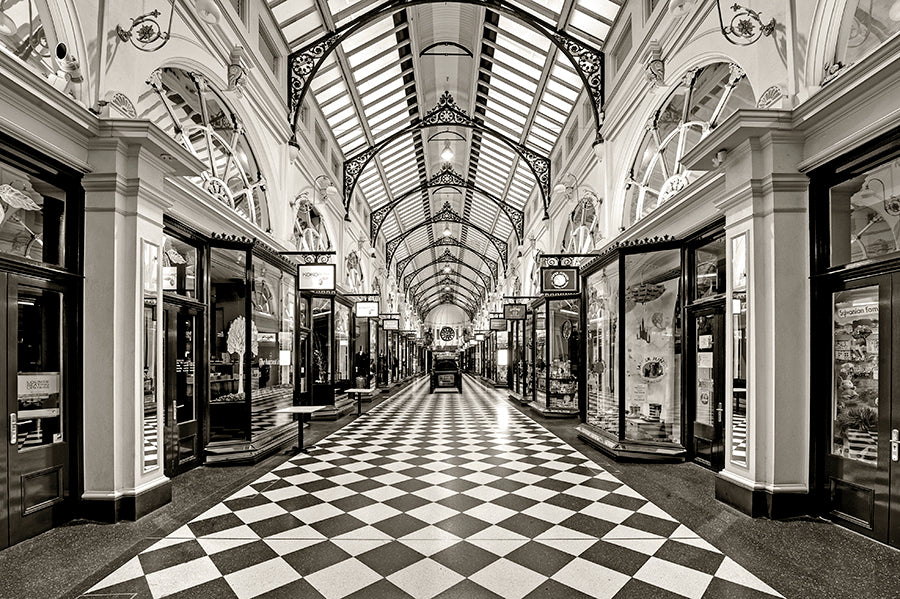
316, 277
38, 384
267, 337
479, 336
390, 324
556, 280
498, 324
366, 309
514, 311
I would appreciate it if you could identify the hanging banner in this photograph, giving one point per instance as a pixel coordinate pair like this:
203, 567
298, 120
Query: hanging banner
316, 277
514, 311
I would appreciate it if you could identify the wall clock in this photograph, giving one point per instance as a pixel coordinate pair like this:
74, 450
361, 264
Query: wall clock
447, 334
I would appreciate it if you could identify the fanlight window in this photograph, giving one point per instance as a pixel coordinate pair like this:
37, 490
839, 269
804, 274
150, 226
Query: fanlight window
866, 24
309, 230
582, 231
187, 105
26, 30
705, 97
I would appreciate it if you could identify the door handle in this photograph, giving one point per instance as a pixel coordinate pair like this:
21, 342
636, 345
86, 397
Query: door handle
895, 445
13, 429
719, 411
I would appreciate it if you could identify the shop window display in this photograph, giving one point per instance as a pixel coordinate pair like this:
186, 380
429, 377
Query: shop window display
321, 340
565, 339
342, 344
31, 217
603, 349
740, 347
855, 344
540, 354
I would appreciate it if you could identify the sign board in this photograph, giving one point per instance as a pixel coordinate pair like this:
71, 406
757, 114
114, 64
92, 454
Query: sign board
366, 309
316, 277
267, 337
38, 384
479, 336
514, 311
559, 280
390, 324
498, 324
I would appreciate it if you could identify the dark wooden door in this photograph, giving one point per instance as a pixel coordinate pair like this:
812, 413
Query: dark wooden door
35, 464
181, 353
706, 385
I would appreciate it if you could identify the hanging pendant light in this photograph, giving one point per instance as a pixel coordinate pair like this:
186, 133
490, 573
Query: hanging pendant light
7, 25
447, 269
447, 152
447, 232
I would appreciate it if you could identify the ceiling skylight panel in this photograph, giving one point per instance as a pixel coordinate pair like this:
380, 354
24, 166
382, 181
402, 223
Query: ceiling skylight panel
561, 91
395, 99
566, 75
527, 85
495, 106
375, 31
347, 10
605, 9
388, 114
383, 127
507, 127
388, 57
402, 181
495, 145
308, 26
510, 107
527, 69
375, 82
554, 113
538, 143
546, 9
549, 125
340, 112
350, 140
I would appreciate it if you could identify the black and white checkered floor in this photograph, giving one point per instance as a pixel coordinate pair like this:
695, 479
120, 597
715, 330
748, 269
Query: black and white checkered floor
445, 495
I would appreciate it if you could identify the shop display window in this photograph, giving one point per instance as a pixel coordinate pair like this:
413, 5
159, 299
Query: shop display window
709, 269
32, 216
540, 353
342, 344
321, 340
563, 355
150, 349
179, 268
854, 396
864, 215
502, 357
603, 349
740, 346
652, 346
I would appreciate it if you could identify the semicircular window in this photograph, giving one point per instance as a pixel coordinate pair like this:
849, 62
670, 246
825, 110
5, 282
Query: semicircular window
865, 25
27, 31
704, 98
187, 106
582, 235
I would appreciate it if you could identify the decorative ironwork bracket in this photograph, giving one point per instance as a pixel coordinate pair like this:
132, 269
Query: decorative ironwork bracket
446, 258
448, 280
446, 215
452, 242
447, 177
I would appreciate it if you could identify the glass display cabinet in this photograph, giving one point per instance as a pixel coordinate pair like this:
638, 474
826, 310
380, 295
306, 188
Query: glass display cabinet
251, 367
556, 355
364, 338
633, 350
330, 352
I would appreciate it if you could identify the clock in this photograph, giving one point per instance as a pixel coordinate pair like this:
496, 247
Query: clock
559, 279
567, 329
447, 334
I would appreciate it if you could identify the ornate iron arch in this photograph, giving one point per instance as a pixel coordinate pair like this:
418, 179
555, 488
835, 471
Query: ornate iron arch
306, 62
462, 291
449, 280
447, 177
447, 113
451, 242
445, 258
445, 215
448, 297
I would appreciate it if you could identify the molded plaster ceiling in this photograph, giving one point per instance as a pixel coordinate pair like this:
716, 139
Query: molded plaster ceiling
379, 81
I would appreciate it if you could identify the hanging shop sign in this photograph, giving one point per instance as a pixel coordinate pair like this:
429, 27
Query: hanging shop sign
479, 336
316, 277
514, 311
366, 309
498, 324
559, 280
390, 324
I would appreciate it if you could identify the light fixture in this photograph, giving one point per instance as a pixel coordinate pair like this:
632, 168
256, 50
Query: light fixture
145, 32
447, 152
7, 25
325, 186
745, 27
891, 204
447, 232
566, 186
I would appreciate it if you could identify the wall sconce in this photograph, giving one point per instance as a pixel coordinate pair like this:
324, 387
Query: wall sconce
566, 186
745, 27
325, 186
145, 33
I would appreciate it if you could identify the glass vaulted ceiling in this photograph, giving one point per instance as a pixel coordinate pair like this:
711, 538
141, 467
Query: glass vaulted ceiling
376, 84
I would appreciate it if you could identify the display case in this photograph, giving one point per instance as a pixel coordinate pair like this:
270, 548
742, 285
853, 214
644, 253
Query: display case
633, 350
556, 355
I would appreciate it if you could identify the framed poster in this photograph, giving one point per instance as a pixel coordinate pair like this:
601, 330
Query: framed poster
316, 277
556, 280
390, 324
498, 324
514, 311
366, 309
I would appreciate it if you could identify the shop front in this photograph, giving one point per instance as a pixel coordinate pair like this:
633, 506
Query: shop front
515, 315
365, 339
855, 321
388, 361
41, 212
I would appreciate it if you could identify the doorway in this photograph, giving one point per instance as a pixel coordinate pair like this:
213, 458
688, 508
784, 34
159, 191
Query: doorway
181, 351
861, 437
706, 385
35, 455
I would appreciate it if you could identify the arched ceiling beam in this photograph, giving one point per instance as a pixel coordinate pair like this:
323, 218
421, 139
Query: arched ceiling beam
448, 177
445, 215
462, 291
452, 242
447, 113
445, 258
478, 286
306, 62
440, 297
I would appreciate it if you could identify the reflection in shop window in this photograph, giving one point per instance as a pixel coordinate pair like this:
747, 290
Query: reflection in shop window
26, 30
866, 24
865, 215
739, 350
603, 349
150, 347
701, 101
31, 217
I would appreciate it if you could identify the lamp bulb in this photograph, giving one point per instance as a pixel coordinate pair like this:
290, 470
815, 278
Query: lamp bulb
447, 153
448, 232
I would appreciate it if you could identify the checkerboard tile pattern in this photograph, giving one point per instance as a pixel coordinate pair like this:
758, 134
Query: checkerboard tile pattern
435, 496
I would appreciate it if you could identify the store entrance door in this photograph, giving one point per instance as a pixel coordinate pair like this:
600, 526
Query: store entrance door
706, 385
861, 482
181, 450
34, 459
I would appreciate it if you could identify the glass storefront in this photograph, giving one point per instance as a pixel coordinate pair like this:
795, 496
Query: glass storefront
557, 354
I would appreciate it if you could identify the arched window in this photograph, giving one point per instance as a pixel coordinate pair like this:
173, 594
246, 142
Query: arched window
582, 234
26, 30
186, 105
865, 25
309, 230
704, 98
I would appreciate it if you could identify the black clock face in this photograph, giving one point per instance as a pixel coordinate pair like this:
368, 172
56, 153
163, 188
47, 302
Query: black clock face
447, 334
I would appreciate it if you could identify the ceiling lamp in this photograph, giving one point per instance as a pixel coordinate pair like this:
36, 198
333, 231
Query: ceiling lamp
447, 232
447, 269
7, 25
447, 288
447, 152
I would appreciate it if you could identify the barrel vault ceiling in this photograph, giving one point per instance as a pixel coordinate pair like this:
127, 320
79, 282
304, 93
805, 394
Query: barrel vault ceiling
500, 72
